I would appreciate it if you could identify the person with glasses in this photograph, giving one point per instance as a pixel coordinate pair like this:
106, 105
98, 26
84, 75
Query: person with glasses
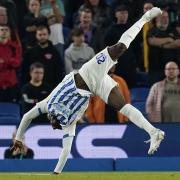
163, 102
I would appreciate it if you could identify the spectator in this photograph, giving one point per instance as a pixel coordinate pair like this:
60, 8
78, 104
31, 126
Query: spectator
45, 53
10, 13
54, 11
163, 101
126, 68
48, 8
21, 11
157, 37
26, 153
100, 20
32, 20
115, 30
90, 31
3, 15
99, 112
162, 47
100, 11
71, 10
134, 7
171, 6
78, 52
35, 90
177, 37
10, 60
9, 16
85, 23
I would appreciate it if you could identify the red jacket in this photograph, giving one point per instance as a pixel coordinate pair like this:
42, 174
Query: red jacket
10, 53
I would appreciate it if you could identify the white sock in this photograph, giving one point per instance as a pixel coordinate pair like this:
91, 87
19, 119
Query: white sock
129, 35
137, 118
67, 143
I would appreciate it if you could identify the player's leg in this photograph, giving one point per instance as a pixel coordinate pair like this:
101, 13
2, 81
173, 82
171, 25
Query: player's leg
110, 93
69, 133
116, 100
128, 36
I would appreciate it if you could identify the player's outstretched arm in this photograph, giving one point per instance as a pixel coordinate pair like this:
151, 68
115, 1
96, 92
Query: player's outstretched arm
26, 120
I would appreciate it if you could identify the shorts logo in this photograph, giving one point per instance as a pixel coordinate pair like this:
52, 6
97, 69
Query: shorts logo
100, 58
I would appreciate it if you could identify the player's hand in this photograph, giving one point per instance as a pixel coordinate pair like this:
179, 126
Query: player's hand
17, 146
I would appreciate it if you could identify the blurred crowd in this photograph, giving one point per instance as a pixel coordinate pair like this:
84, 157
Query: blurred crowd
43, 40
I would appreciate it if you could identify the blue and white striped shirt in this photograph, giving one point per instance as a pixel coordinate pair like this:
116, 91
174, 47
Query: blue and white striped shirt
67, 103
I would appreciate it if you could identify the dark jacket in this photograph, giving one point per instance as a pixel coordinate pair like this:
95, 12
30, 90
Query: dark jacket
31, 20
49, 57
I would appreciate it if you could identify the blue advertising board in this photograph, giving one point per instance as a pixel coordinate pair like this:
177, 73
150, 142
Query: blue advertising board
95, 141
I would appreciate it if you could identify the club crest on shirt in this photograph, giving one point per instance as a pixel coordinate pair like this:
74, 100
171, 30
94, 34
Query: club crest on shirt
48, 56
100, 58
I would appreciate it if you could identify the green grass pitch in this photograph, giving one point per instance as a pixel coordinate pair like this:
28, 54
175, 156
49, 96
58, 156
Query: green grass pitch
93, 176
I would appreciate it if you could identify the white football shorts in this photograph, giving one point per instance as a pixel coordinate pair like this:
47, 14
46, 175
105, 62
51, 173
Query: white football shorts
95, 74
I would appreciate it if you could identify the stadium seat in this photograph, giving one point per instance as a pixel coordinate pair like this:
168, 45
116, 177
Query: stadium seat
9, 113
9, 120
142, 79
139, 94
140, 106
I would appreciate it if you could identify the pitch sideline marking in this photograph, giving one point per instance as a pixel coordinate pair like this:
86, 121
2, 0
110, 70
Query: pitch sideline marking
31, 174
